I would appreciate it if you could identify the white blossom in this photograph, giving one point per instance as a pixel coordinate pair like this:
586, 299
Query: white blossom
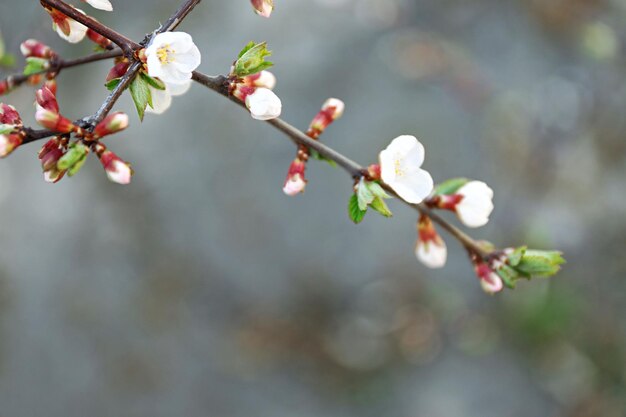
263, 7
476, 205
172, 57
78, 31
400, 166
101, 4
264, 104
162, 99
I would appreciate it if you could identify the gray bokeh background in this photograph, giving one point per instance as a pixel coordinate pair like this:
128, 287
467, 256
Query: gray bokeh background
201, 290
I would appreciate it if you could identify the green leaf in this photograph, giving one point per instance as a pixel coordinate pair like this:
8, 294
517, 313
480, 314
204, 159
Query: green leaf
508, 275
153, 82
380, 206
377, 190
35, 65
140, 92
515, 257
113, 83
355, 213
4, 129
252, 59
7, 61
536, 263
450, 186
364, 195
75, 155
318, 156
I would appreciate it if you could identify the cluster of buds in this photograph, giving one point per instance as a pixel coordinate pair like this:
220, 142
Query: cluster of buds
49, 155
250, 83
295, 182
11, 134
48, 115
263, 7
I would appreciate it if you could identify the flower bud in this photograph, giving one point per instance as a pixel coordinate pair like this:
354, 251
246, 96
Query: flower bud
53, 121
331, 110
431, 250
35, 49
472, 203
67, 28
263, 7
116, 169
50, 154
118, 70
47, 99
263, 79
263, 104
113, 123
490, 281
98, 39
8, 143
9, 115
295, 181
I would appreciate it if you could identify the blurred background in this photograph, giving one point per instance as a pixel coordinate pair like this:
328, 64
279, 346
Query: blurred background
201, 290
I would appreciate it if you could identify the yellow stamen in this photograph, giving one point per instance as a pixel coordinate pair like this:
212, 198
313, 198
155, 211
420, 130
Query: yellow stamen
165, 54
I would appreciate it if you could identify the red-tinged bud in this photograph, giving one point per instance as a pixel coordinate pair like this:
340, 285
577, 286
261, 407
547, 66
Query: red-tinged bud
52, 86
490, 281
50, 154
295, 181
5, 87
430, 249
373, 171
60, 20
53, 121
36, 49
9, 115
241, 91
331, 110
113, 123
99, 39
47, 100
263, 7
116, 169
8, 143
118, 70
263, 79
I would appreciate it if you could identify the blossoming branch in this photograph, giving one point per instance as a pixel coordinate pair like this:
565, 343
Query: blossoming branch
164, 65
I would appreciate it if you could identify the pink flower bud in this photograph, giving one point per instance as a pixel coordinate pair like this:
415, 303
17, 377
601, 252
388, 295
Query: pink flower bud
490, 282
431, 250
263, 7
263, 79
295, 181
99, 39
331, 110
49, 155
118, 70
116, 169
9, 116
53, 121
113, 123
47, 99
36, 49
374, 172
8, 143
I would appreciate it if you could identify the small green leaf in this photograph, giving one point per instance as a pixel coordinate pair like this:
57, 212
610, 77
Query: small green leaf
377, 190
318, 156
515, 257
450, 186
508, 275
112, 84
380, 206
538, 263
364, 195
252, 59
153, 82
35, 65
75, 155
355, 213
4, 129
140, 92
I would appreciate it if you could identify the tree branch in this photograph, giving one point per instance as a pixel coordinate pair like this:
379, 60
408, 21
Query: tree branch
219, 85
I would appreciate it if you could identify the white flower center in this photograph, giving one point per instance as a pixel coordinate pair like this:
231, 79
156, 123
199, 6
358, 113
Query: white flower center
165, 54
